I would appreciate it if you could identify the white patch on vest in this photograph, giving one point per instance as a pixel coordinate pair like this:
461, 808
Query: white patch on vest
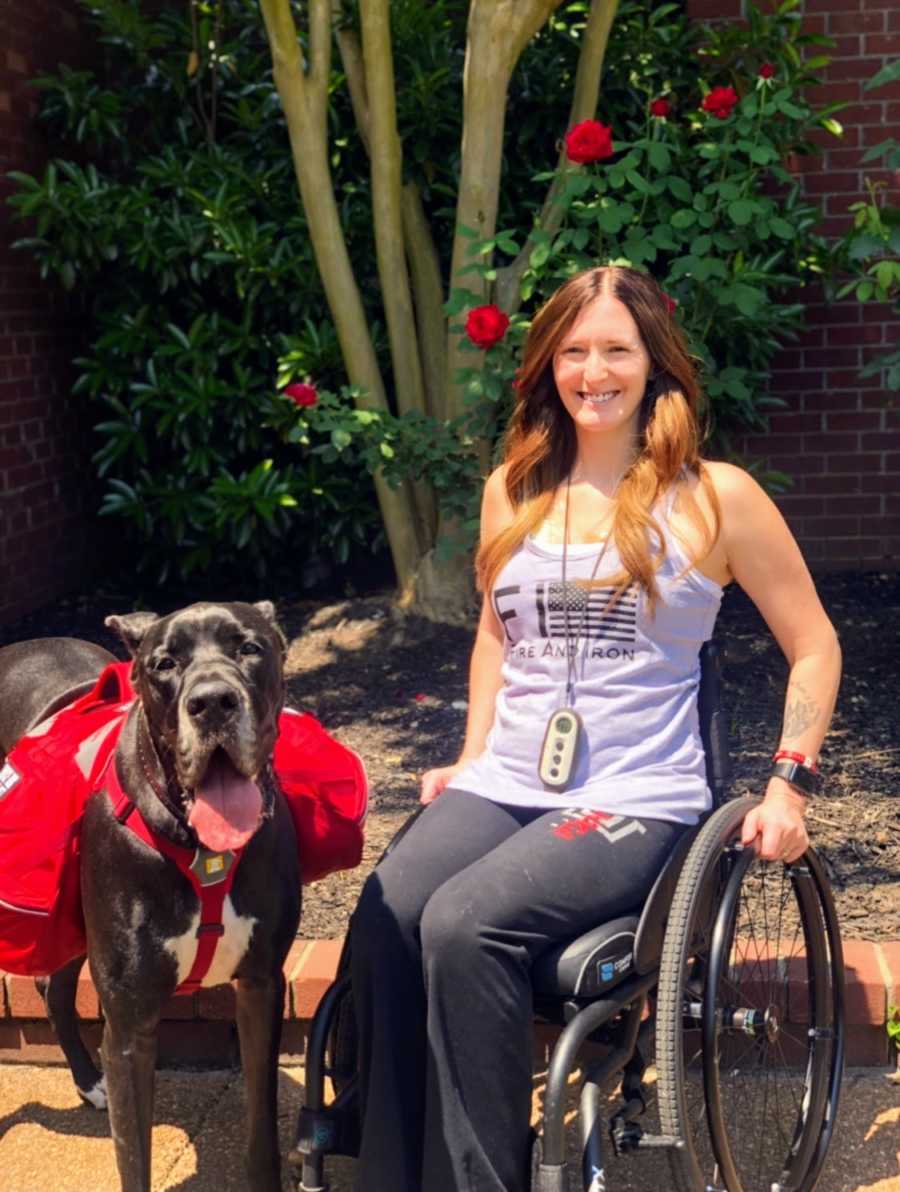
41, 730
9, 777
230, 948
90, 747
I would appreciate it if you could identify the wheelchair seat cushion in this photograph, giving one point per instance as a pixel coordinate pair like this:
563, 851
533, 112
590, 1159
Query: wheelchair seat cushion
590, 964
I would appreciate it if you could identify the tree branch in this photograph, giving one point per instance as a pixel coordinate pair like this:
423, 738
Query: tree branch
421, 251
428, 295
320, 42
584, 104
498, 31
355, 72
304, 100
386, 164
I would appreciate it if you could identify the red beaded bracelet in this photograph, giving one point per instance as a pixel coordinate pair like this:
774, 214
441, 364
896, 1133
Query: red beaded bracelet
795, 757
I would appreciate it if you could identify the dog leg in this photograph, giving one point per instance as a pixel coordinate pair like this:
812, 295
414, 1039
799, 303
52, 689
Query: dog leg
58, 991
129, 1060
260, 1007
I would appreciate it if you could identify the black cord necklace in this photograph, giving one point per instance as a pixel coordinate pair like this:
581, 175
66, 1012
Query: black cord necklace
565, 729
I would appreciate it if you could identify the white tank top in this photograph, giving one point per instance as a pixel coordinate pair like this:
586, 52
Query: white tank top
636, 682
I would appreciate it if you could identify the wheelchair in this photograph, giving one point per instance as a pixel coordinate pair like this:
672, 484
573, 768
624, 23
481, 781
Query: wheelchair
736, 964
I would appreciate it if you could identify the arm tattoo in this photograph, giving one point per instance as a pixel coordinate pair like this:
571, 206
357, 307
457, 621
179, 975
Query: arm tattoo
800, 712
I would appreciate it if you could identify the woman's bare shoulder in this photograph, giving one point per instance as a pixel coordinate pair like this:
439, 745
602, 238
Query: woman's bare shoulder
729, 481
496, 508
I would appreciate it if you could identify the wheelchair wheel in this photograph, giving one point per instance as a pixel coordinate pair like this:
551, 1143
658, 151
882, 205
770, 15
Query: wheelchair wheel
749, 1017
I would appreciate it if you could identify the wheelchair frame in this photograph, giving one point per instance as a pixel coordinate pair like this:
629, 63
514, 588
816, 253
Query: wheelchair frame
686, 941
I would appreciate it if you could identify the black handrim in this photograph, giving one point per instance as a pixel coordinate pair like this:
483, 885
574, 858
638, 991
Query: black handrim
767, 1057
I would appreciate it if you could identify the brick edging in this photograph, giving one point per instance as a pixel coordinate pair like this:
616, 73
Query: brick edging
199, 1028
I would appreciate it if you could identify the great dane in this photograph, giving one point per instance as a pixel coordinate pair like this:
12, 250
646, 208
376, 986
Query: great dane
194, 756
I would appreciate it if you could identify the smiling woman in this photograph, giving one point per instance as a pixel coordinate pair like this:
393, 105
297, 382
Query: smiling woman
606, 541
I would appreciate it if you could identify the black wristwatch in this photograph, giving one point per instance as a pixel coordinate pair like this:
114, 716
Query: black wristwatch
805, 780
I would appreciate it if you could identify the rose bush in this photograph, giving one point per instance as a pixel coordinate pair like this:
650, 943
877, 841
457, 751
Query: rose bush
702, 200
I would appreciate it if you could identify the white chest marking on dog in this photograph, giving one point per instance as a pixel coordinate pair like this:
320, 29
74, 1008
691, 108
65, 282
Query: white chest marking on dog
230, 948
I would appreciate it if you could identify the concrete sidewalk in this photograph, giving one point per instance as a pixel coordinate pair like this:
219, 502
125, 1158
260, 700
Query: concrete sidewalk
49, 1140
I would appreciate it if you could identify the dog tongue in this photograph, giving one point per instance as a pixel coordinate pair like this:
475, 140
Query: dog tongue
227, 806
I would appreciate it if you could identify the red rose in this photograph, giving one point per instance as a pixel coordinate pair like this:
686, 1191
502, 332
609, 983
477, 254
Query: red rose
671, 303
589, 141
720, 101
302, 395
660, 107
767, 71
486, 326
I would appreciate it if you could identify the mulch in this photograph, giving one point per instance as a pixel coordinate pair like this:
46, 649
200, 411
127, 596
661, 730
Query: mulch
394, 689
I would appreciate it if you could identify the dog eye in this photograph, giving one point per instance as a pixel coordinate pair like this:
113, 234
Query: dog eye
164, 664
250, 648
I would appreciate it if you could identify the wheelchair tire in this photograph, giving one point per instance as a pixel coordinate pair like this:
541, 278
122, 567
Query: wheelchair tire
749, 1083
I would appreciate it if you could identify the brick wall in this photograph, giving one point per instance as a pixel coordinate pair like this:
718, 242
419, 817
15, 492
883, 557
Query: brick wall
839, 437
44, 519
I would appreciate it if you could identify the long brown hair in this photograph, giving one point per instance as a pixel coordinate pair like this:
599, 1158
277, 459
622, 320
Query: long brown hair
540, 444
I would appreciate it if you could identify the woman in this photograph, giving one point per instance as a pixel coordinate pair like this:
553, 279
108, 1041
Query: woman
605, 545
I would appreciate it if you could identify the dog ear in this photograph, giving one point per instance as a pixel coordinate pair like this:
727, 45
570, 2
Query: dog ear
267, 608
131, 628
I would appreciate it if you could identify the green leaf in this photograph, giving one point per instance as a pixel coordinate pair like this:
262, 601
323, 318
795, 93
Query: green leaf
659, 155
741, 211
792, 110
611, 220
638, 182
178, 334
782, 229
762, 154
663, 238
887, 74
747, 299
340, 439
701, 245
539, 256
685, 218
680, 189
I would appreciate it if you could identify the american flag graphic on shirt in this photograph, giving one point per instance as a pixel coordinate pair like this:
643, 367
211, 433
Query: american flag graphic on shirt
587, 603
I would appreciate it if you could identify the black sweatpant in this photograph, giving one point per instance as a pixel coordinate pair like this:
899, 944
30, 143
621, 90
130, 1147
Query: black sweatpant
443, 940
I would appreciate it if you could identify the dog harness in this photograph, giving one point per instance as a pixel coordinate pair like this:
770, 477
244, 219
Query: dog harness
51, 773
211, 874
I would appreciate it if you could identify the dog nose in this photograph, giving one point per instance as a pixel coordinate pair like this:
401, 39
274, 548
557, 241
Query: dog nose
212, 702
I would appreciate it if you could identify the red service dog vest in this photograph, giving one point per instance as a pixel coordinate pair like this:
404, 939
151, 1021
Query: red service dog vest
49, 776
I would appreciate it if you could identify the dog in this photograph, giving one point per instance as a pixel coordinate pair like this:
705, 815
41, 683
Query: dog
194, 759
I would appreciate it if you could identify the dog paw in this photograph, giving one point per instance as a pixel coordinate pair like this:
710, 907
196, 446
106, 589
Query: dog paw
96, 1095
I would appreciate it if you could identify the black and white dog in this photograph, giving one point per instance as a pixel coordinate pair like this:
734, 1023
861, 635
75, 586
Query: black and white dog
194, 757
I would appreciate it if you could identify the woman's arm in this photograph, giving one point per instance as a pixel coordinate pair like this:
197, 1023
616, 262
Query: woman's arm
764, 558
485, 679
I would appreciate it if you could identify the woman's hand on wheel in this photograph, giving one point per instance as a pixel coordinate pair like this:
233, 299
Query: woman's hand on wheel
775, 828
435, 782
